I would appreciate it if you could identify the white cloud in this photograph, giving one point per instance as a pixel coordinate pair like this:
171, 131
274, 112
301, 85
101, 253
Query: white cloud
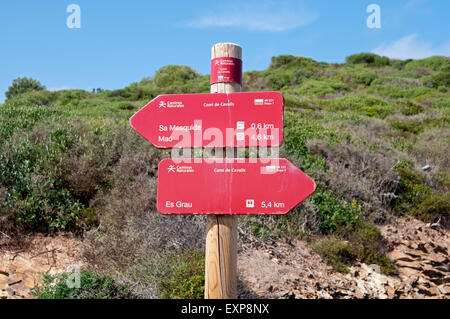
412, 47
260, 16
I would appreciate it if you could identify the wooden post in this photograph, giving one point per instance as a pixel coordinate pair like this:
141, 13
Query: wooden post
221, 235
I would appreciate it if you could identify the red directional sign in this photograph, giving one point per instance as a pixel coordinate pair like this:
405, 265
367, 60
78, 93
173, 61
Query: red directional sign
231, 186
212, 120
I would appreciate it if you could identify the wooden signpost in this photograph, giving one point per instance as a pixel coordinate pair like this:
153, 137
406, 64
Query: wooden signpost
222, 188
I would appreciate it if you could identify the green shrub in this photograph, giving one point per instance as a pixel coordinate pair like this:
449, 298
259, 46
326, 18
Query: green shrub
54, 171
335, 213
92, 286
23, 85
177, 79
409, 108
290, 61
335, 252
365, 78
365, 241
395, 92
368, 105
411, 126
291, 101
431, 207
435, 63
415, 197
126, 106
320, 88
401, 64
370, 59
278, 81
31, 98
441, 79
64, 97
441, 103
359, 241
298, 130
185, 276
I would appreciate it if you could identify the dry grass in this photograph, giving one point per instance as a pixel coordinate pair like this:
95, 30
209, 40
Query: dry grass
133, 237
358, 173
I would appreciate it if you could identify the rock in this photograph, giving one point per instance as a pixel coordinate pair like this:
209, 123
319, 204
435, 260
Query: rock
437, 259
412, 265
390, 292
22, 291
3, 294
43, 269
400, 256
9, 291
28, 280
422, 248
20, 265
432, 291
415, 253
3, 281
443, 290
433, 273
324, 295
408, 272
407, 243
15, 279
440, 249
442, 268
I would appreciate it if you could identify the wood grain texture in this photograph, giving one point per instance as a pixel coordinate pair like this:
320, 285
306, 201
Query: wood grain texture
221, 236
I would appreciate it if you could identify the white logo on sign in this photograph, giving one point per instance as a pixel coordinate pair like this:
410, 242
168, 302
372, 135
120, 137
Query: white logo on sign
162, 104
171, 168
259, 101
250, 203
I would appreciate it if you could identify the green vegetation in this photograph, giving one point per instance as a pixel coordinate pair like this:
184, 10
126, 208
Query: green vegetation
368, 58
23, 85
91, 286
185, 276
418, 198
362, 130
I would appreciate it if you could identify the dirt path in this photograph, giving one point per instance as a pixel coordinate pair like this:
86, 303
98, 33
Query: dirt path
23, 268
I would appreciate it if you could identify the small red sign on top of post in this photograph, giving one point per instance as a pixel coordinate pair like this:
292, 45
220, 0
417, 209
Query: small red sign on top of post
226, 70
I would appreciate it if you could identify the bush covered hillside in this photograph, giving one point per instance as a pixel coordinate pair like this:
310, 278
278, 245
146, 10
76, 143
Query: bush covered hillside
372, 132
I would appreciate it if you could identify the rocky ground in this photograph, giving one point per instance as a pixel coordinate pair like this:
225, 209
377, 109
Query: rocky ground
419, 251
274, 270
23, 266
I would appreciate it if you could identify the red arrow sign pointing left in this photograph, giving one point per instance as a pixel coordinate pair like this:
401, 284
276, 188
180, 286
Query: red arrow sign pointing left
212, 120
231, 186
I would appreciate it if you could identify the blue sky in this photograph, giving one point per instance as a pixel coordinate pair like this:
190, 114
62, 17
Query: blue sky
120, 42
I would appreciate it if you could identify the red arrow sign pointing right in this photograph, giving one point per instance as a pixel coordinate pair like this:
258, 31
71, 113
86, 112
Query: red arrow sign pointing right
231, 186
